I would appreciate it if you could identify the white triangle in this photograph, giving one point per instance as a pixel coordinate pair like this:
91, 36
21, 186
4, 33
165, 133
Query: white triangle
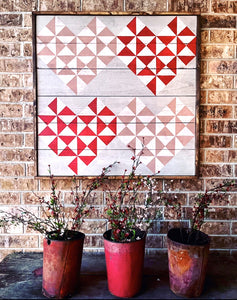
166, 72
165, 59
171, 127
126, 59
145, 132
86, 71
93, 47
86, 139
100, 64
107, 132
146, 52
178, 145
80, 126
186, 52
73, 63
85, 32
93, 126
99, 26
106, 39
45, 32
65, 39
146, 79
152, 65
146, 119
66, 78
73, 145
107, 119
87, 152
133, 47
186, 39
61, 146
67, 119
166, 111
59, 25
126, 139
159, 126
106, 52
46, 58
139, 106
180, 25
67, 132
159, 85
165, 152
173, 48
146, 40
86, 59
179, 106
66, 52
59, 63
120, 127
165, 139
158, 166
80, 47
52, 46
126, 112
125, 32
139, 25
186, 119
166, 31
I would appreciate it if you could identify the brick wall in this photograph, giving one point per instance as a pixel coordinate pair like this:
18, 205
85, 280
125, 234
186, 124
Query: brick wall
218, 112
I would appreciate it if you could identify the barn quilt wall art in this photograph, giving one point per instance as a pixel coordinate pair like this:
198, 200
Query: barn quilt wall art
112, 86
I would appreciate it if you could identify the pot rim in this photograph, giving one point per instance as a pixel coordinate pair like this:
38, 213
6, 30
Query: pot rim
79, 236
208, 239
109, 230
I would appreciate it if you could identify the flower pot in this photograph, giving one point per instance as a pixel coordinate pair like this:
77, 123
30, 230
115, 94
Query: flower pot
187, 262
124, 264
61, 265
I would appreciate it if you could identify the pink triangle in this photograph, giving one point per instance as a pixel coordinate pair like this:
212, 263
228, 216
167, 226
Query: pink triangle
45, 39
67, 152
105, 32
66, 112
92, 25
152, 165
73, 84
171, 146
126, 132
73, 165
178, 127
80, 64
165, 119
86, 78
86, 52
172, 105
126, 119
73, 46
145, 139
65, 32
54, 145
165, 159
53, 105
46, 119
145, 112
113, 46
67, 139
59, 46
86, 39
51, 26
152, 126
66, 58
132, 106
106, 59
184, 139
66, 71
132, 144
191, 126
47, 131
46, 51
87, 159
99, 45
165, 132
53, 64
185, 111
139, 127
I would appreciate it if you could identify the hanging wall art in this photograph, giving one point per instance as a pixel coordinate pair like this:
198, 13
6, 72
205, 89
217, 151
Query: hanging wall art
110, 86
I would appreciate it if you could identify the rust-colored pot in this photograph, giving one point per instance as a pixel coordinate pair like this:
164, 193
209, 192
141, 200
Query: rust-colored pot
187, 263
124, 264
61, 266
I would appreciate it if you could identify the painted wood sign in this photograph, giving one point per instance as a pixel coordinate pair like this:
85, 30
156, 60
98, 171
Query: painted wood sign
111, 86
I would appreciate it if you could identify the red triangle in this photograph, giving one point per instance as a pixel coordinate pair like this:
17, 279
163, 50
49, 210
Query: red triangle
113, 125
146, 71
166, 79
47, 131
100, 125
106, 112
53, 105
66, 112
152, 85
173, 25
47, 119
166, 52
93, 146
133, 66
186, 59
186, 32
67, 152
54, 145
132, 25
73, 125
139, 45
180, 45
192, 46
106, 139
159, 65
73, 165
145, 32
152, 46
67, 139
86, 119
87, 132
87, 159
60, 125
166, 39
80, 146
126, 52
172, 65
93, 106
146, 59
126, 39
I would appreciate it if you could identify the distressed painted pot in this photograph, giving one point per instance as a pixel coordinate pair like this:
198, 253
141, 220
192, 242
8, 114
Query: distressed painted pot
61, 266
187, 263
124, 265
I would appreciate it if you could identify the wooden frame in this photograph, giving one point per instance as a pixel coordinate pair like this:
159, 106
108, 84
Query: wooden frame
112, 85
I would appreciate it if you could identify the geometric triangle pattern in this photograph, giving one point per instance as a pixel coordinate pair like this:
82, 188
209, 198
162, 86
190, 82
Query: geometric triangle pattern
78, 58
155, 58
162, 136
77, 135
